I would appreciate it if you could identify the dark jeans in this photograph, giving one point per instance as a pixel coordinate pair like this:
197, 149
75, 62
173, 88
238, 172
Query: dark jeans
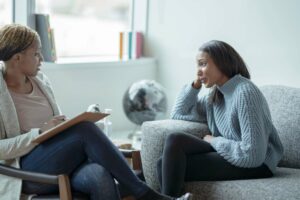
89, 157
189, 158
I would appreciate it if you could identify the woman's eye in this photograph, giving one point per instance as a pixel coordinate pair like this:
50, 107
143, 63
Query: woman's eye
202, 64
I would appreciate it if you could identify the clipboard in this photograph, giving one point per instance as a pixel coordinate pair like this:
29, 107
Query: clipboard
85, 116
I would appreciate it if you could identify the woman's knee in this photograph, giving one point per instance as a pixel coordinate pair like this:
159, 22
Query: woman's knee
92, 175
86, 125
94, 180
174, 140
159, 164
101, 173
87, 128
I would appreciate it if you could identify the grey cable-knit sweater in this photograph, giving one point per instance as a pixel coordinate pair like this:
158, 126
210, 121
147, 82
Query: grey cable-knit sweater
244, 133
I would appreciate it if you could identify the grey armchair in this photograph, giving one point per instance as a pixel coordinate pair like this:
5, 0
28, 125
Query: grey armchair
62, 180
284, 103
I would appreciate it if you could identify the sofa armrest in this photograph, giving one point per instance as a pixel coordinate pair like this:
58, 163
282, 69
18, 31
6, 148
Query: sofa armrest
153, 139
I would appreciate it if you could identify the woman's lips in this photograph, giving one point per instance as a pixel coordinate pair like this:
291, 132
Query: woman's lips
203, 80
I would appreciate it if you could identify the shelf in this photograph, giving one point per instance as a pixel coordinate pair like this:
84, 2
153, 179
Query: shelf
85, 62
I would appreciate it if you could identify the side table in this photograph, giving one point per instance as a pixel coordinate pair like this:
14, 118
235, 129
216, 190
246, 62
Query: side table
131, 151
124, 139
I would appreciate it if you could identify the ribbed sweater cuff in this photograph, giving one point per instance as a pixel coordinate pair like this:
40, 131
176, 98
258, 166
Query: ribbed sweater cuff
216, 142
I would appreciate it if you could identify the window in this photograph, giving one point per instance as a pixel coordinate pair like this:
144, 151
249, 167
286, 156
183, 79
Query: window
87, 28
5, 12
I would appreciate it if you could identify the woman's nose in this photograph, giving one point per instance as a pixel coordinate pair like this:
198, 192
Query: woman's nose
41, 57
200, 70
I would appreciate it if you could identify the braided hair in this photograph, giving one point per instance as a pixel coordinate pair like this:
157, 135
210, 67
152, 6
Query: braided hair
15, 38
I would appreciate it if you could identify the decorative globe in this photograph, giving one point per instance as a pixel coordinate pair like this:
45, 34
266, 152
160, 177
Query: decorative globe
145, 100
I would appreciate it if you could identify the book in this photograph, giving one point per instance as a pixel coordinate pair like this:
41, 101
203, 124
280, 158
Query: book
121, 45
47, 37
129, 45
85, 116
53, 49
125, 45
138, 44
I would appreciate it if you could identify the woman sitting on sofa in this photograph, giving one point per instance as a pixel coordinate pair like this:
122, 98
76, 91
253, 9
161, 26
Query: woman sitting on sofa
243, 144
28, 108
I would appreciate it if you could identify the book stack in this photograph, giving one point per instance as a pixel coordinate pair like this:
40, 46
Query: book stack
130, 45
46, 34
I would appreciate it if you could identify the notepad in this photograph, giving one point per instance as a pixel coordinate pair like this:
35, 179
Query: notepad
86, 116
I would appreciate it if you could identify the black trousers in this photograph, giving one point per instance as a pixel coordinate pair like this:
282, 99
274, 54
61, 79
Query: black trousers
189, 158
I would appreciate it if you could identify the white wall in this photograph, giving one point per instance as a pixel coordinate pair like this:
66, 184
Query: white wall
76, 86
265, 32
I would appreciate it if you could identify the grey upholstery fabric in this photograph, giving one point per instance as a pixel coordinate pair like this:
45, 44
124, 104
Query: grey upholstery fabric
284, 105
284, 186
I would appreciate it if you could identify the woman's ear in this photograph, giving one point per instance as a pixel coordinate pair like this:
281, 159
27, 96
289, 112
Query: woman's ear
16, 57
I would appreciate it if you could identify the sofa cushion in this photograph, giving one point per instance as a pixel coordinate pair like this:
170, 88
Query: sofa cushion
284, 185
284, 103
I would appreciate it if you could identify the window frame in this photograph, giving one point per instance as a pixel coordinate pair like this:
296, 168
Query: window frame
23, 13
11, 12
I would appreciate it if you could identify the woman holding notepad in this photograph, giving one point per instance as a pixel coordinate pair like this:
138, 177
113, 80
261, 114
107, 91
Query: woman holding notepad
28, 108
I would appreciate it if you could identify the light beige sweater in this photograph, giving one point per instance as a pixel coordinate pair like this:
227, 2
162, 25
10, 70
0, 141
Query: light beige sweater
13, 144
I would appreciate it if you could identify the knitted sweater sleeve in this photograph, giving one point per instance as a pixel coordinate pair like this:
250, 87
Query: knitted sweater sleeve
188, 106
18, 146
251, 149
